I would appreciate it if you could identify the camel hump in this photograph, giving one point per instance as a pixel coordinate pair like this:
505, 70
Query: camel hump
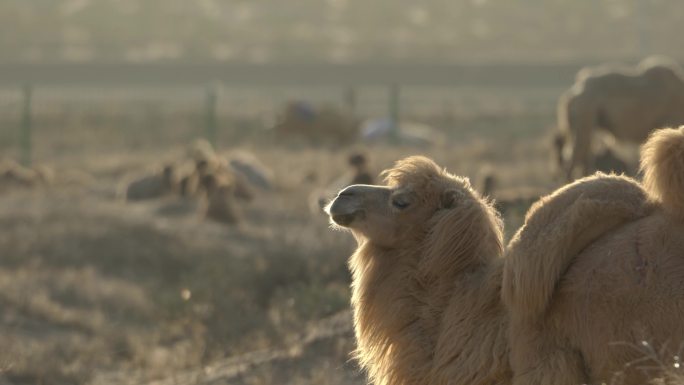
557, 228
662, 163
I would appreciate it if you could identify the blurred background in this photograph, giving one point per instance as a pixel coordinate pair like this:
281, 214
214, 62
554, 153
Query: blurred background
163, 164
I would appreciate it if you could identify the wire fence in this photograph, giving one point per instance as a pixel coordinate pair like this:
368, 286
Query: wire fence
46, 122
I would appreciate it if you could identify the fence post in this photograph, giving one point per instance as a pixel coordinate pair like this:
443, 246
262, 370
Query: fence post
210, 114
25, 136
394, 110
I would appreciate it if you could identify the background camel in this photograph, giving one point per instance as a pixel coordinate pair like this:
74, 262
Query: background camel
605, 158
13, 175
154, 185
303, 120
428, 271
628, 103
218, 204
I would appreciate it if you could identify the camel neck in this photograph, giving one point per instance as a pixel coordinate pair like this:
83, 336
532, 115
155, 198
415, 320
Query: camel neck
420, 326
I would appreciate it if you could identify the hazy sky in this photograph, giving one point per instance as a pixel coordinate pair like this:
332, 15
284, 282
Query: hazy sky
337, 30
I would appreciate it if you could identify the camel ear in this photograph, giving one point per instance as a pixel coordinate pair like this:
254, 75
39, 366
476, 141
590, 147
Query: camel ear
450, 198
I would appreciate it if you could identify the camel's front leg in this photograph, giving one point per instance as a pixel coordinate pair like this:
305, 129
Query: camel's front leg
581, 150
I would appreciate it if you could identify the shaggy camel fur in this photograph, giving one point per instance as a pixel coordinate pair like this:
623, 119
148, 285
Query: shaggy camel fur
610, 292
596, 262
429, 252
628, 103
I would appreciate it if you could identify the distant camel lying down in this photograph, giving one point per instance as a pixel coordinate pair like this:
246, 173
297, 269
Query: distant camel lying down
219, 202
598, 261
14, 175
628, 103
153, 185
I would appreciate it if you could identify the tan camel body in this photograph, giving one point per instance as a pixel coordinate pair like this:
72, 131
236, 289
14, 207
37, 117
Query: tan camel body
435, 303
617, 291
627, 103
622, 290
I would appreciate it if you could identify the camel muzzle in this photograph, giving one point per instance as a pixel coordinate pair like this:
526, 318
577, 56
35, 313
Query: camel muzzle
343, 210
346, 207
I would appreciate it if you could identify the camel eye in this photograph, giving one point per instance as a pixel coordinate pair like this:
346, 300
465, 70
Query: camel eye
400, 202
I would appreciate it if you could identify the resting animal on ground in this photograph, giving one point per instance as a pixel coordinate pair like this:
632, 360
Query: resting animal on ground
598, 261
191, 184
13, 175
303, 120
627, 103
219, 203
153, 185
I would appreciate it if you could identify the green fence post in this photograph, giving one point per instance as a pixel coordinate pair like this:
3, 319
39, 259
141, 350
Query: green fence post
25, 135
394, 110
211, 120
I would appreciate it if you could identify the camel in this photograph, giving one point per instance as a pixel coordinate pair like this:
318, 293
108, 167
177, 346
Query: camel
13, 175
188, 185
240, 186
608, 161
219, 203
325, 123
605, 159
622, 282
154, 185
628, 103
438, 300
207, 163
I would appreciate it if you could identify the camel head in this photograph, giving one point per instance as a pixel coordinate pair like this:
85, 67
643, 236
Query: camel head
401, 213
